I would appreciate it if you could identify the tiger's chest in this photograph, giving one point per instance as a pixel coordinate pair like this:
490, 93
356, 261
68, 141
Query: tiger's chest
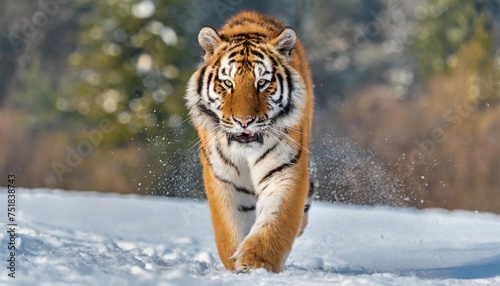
246, 166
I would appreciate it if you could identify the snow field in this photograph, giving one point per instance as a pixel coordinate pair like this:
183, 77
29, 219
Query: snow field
86, 238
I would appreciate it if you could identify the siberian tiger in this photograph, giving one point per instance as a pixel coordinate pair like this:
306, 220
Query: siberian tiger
251, 102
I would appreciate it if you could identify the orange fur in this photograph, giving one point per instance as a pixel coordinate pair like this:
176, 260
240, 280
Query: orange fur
274, 241
225, 236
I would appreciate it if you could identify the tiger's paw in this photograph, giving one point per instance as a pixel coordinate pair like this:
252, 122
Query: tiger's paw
244, 262
250, 256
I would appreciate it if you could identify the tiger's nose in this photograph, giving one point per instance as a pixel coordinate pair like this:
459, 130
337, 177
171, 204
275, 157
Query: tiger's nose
244, 122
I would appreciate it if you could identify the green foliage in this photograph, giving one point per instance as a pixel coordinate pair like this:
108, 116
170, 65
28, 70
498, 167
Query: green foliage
443, 26
132, 66
37, 99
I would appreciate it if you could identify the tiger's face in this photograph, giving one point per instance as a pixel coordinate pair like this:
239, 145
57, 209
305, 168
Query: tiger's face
246, 89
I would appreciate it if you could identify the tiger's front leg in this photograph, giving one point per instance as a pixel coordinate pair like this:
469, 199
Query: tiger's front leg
280, 207
232, 204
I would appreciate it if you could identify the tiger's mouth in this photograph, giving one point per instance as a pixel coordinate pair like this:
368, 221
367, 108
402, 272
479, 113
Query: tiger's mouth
246, 137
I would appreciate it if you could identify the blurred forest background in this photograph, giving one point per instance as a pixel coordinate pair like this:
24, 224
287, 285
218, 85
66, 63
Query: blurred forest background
407, 96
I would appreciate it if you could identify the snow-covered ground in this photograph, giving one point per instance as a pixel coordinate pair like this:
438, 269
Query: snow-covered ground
85, 238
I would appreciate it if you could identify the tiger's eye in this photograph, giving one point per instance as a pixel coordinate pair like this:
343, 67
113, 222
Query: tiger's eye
228, 83
261, 83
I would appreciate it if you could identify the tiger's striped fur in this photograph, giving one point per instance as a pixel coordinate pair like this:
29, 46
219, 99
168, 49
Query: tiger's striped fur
251, 102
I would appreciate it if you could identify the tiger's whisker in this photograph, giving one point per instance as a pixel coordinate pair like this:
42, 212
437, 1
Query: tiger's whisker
281, 132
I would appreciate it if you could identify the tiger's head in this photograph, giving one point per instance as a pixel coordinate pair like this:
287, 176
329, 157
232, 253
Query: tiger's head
246, 88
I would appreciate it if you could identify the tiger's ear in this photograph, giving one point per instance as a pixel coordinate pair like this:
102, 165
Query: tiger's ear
209, 39
285, 42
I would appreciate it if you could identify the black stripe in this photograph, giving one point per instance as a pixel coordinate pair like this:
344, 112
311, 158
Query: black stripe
274, 61
311, 189
290, 83
233, 54
243, 190
248, 36
257, 54
224, 71
204, 153
306, 208
289, 104
237, 188
227, 121
280, 81
216, 65
286, 109
245, 42
284, 112
200, 79
282, 167
246, 209
226, 160
211, 99
245, 51
221, 179
208, 112
245, 62
265, 154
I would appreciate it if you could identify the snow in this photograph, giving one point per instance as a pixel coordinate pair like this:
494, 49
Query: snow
86, 238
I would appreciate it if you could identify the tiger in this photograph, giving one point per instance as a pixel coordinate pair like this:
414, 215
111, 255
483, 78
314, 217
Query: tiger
251, 103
